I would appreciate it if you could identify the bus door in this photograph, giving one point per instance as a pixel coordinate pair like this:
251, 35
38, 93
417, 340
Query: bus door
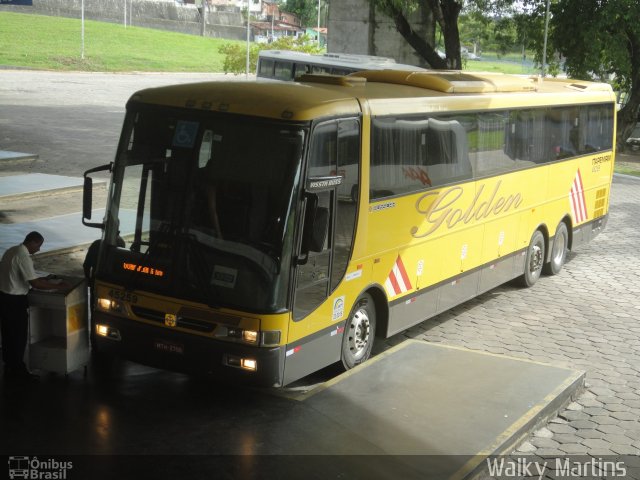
325, 246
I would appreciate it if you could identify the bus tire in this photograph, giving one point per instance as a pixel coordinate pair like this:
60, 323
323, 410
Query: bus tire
359, 333
534, 260
559, 251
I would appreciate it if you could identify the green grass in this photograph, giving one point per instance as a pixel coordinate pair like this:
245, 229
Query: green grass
54, 43
627, 169
501, 67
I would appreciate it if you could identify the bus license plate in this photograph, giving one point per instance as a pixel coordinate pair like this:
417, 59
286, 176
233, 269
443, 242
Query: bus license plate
168, 347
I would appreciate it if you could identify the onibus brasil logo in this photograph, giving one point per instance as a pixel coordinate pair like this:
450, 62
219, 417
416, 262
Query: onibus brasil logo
37, 469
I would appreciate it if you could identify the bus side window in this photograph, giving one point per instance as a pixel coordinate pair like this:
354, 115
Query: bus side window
526, 140
447, 152
266, 68
490, 155
597, 128
561, 133
283, 71
345, 223
398, 156
300, 69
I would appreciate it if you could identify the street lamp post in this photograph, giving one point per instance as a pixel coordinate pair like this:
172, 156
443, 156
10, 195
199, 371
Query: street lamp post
248, 36
318, 23
82, 32
544, 50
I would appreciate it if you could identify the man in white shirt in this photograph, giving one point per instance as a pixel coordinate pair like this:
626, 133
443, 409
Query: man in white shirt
17, 276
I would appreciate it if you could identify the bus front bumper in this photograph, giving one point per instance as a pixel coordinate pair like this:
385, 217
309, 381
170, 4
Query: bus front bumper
177, 351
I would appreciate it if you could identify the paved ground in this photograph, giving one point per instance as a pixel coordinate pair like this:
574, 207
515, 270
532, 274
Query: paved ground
586, 318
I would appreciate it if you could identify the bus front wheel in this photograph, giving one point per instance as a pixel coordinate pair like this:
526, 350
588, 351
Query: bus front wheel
359, 333
534, 260
559, 251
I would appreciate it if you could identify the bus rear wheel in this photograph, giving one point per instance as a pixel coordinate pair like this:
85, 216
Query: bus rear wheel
534, 260
559, 251
359, 333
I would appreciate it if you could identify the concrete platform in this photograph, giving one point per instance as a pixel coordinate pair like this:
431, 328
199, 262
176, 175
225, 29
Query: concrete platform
417, 411
8, 156
428, 400
62, 232
37, 184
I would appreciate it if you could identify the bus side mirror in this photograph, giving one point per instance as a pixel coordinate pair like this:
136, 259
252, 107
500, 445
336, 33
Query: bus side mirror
87, 196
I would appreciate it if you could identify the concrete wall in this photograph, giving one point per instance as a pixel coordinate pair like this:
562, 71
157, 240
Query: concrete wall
357, 27
160, 14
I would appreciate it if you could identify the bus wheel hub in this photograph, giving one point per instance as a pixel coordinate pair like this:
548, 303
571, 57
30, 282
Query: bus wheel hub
359, 333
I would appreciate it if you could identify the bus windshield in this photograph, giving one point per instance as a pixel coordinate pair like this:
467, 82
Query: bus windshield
209, 202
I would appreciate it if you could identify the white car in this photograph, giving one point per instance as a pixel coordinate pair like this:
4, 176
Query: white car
633, 142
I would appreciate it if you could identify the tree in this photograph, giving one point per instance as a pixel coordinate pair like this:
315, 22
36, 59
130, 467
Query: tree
475, 29
445, 14
305, 10
600, 39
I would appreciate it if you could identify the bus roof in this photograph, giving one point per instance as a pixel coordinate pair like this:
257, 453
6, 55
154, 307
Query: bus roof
316, 96
347, 60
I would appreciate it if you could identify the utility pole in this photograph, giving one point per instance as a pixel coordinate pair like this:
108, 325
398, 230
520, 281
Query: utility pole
82, 32
248, 37
318, 23
203, 26
544, 51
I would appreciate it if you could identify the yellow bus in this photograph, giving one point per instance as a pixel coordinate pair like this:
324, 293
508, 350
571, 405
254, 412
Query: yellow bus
277, 228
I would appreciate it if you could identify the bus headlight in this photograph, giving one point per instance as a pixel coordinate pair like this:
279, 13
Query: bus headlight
244, 363
248, 336
265, 339
102, 330
108, 332
249, 364
108, 305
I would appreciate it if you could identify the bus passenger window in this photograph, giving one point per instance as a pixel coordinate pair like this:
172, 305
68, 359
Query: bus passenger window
300, 69
398, 156
526, 136
283, 71
447, 152
597, 126
490, 155
266, 68
560, 132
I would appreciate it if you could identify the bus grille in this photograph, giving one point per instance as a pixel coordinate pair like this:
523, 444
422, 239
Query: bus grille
182, 322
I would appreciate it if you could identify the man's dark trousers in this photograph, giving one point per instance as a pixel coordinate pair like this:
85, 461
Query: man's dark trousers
14, 318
